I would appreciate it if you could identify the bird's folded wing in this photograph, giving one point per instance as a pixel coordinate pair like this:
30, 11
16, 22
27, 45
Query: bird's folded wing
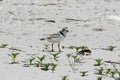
54, 35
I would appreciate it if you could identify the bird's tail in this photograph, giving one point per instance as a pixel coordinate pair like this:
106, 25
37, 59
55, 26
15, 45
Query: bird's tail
42, 39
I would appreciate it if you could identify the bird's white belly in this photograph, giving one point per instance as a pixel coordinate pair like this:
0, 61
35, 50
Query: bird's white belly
56, 40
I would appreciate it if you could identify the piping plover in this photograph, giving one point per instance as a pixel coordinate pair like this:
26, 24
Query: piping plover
57, 37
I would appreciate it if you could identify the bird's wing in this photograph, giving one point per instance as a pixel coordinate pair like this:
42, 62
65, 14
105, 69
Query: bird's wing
54, 35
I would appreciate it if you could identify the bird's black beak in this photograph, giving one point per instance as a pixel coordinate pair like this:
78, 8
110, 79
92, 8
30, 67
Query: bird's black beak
67, 30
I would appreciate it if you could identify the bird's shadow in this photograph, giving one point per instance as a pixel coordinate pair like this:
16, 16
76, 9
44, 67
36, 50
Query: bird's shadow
51, 51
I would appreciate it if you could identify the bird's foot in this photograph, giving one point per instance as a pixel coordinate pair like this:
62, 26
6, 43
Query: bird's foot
52, 50
60, 51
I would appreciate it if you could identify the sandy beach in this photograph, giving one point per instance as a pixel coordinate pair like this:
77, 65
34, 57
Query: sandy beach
92, 23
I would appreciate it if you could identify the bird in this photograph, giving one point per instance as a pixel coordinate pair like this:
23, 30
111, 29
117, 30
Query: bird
57, 37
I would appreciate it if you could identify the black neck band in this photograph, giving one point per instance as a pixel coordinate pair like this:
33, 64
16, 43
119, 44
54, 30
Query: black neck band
62, 33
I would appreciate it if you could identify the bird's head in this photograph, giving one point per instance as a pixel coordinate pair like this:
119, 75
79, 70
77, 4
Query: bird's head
65, 29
